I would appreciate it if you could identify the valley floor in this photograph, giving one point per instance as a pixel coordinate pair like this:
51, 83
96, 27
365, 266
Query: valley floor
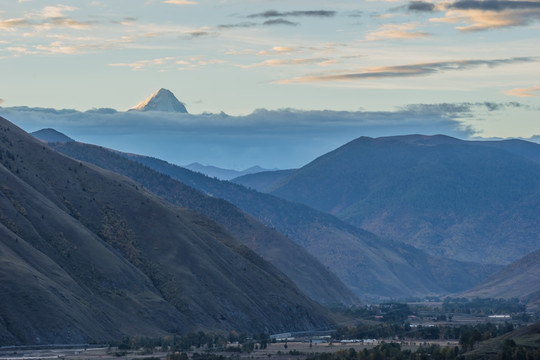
293, 350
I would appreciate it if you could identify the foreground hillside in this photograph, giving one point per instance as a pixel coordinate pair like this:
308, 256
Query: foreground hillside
89, 255
314, 279
369, 265
463, 200
523, 343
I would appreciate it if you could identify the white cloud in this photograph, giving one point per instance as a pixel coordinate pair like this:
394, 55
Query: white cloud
485, 15
180, 2
396, 31
524, 92
285, 62
56, 11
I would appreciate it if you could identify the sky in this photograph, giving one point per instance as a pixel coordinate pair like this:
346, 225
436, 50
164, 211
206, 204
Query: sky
270, 83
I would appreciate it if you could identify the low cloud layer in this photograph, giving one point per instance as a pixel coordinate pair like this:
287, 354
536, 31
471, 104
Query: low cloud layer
274, 139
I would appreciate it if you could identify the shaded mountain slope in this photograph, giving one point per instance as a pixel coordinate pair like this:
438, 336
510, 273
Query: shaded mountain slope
517, 280
264, 180
314, 279
88, 255
369, 265
526, 149
449, 197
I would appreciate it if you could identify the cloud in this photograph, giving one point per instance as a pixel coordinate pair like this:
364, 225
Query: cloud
199, 33
58, 47
460, 109
421, 6
494, 5
282, 62
1, 101
143, 64
410, 70
275, 138
280, 22
396, 31
278, 50
169, 63
10, 24
524, 92
308, 13
489, 14
56, 11
47, 18
239, 25
180, 2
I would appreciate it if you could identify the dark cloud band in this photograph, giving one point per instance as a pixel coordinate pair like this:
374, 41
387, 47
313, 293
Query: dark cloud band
421, 6
412, 70
280, 22
304, 13
494, 5
239, 25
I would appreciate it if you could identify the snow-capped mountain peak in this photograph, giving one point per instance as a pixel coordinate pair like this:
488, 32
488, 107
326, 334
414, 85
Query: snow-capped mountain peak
161, 100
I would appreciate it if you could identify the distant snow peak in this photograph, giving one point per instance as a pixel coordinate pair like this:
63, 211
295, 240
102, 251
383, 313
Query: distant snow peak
161, 100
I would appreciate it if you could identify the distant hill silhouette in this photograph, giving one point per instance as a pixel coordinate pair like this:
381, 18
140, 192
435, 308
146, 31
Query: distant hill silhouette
464, 200
90, 256
264, 180
222, 174
51, 136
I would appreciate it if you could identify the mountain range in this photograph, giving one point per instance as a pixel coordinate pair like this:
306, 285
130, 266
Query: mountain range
88, 255
465, 200
223, 174
370, 266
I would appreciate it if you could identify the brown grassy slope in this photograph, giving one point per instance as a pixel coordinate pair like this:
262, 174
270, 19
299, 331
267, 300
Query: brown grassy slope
134, 256
527, 336
517, 280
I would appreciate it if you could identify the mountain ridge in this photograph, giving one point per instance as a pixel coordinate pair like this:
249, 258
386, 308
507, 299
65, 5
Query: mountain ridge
428, 191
